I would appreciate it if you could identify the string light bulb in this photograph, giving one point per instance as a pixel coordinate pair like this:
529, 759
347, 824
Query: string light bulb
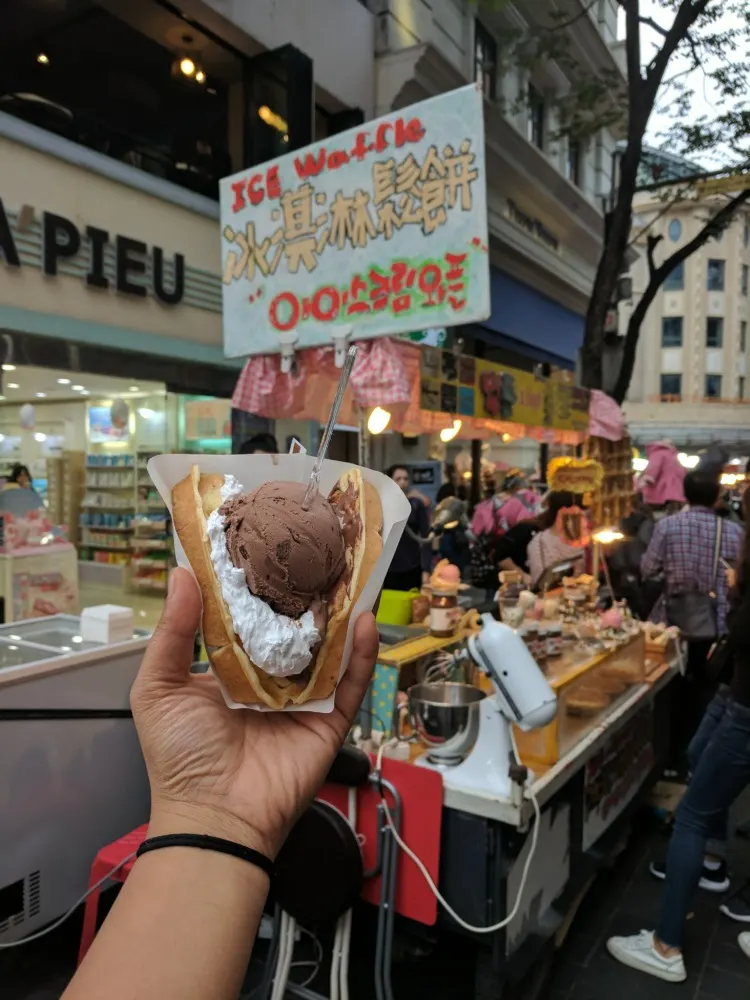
448, 433
378, 420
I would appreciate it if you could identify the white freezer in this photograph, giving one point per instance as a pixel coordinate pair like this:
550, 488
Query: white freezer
72, 776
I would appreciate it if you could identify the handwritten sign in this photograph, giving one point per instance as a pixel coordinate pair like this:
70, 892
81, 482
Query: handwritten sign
383, 227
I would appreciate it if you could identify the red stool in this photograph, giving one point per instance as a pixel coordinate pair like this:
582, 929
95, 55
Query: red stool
109, 857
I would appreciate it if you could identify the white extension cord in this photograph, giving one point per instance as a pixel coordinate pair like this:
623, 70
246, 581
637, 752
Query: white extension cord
428, 878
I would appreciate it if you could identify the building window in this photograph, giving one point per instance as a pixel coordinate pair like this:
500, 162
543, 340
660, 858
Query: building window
743, 336
741, 387
574, 162
714, 331
675, 230
716, 275
746, 235
536, 120
671, 387
671, 331
675, 280
485, 61
744, 278
713, 387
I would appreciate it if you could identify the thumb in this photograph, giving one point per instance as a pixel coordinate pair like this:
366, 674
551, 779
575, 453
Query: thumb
353, 684
170, 652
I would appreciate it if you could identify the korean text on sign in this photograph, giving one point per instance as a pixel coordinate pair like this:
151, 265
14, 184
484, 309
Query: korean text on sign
383, 227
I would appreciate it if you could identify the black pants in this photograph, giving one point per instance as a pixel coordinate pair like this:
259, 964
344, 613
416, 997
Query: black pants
692, 695
409, 579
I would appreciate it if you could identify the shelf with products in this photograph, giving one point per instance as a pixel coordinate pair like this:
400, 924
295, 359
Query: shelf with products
152, 551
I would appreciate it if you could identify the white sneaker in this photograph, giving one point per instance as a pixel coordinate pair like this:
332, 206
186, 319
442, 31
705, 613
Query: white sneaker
744, 942
638, 952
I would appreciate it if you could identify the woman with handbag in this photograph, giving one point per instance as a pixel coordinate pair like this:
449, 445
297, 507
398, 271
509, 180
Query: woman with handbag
719, 757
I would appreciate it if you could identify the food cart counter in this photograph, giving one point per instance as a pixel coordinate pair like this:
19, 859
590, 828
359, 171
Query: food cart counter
72, 775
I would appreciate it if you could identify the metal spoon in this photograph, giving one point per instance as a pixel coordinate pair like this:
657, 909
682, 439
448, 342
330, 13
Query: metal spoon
313, 485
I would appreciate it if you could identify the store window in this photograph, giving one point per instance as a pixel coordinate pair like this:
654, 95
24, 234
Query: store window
675, 280
714, 331
744, 279
713, 387
671, 331
485, 61
671, 388
574, 162
675, 230
537, 113
152, 94
743, 336
741, 387
746, 235
715, 275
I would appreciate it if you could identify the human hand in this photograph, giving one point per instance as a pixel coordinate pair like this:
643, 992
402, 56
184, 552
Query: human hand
233, 773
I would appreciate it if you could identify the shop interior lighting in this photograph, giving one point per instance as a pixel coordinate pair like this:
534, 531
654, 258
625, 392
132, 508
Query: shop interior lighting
448, 433
146, 413
9, 368
605, 536
2, 437
506, 438
43, 59
275, 121
200, 76
85, 392
639, 464
13, 385
40, 436
187, 66
133, 388
63, 381
688, 461
378, 420
40, 395
78, 388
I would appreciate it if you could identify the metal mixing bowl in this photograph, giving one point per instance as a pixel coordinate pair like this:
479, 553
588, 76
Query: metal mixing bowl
446, 719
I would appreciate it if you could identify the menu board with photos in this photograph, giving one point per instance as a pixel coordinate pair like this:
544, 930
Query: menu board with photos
472, 387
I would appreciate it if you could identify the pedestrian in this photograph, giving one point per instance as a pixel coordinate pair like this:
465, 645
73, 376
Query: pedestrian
719, 756
551, 546
690, 550
412, 562
662, 479
512, 549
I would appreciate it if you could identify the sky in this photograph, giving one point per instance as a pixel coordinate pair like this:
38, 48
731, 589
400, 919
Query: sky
704, 101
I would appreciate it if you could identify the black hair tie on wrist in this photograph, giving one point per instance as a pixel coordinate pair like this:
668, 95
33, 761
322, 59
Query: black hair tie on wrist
206, 843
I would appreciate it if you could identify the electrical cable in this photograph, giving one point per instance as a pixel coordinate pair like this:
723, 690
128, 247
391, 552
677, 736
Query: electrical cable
428, 878
71, 911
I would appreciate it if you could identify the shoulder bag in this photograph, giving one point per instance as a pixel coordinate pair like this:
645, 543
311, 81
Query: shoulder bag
695, 613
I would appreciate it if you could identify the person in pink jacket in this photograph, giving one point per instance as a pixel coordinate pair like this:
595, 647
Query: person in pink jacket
662, 478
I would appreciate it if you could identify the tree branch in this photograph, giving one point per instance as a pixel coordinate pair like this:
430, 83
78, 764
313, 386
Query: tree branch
651, 23
715, 224
651, 244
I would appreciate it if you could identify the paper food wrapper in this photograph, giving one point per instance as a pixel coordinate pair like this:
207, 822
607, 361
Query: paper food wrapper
254, 470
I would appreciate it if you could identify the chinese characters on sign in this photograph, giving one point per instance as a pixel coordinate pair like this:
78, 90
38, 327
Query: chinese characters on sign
383, 228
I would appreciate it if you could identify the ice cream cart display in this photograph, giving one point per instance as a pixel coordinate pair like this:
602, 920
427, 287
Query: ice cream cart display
72, 775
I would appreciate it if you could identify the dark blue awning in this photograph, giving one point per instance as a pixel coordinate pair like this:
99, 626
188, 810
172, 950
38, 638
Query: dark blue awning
531, 323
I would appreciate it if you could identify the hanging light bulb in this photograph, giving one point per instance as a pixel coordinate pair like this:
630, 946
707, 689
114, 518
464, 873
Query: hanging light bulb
187, 66
378, 420
448, 433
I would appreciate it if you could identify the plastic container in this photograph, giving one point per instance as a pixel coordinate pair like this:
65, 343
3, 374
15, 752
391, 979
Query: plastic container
395, 606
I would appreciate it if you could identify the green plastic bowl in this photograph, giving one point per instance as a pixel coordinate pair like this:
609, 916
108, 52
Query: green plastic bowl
395, 606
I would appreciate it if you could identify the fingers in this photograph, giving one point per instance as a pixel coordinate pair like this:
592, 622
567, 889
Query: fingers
170, 652
353, 685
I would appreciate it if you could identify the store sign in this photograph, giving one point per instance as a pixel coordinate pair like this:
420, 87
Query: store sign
383, 228
615, 775
575, 475
471, 387
533, 226
101, 428
138, 270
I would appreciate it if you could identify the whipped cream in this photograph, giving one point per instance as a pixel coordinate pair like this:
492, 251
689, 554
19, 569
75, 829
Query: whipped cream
281, 646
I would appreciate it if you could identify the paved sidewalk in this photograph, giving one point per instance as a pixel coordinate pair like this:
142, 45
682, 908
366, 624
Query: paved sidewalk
626, 900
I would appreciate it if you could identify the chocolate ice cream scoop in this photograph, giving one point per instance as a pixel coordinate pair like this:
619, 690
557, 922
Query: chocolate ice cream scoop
290, 556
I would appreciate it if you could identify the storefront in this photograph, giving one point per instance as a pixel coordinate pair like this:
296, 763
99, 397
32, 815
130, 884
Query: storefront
111, 345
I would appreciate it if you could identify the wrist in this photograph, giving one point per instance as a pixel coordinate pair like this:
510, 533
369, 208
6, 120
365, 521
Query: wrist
185, 817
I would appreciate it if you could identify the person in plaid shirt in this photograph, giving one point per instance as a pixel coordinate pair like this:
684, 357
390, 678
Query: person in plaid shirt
682, 549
